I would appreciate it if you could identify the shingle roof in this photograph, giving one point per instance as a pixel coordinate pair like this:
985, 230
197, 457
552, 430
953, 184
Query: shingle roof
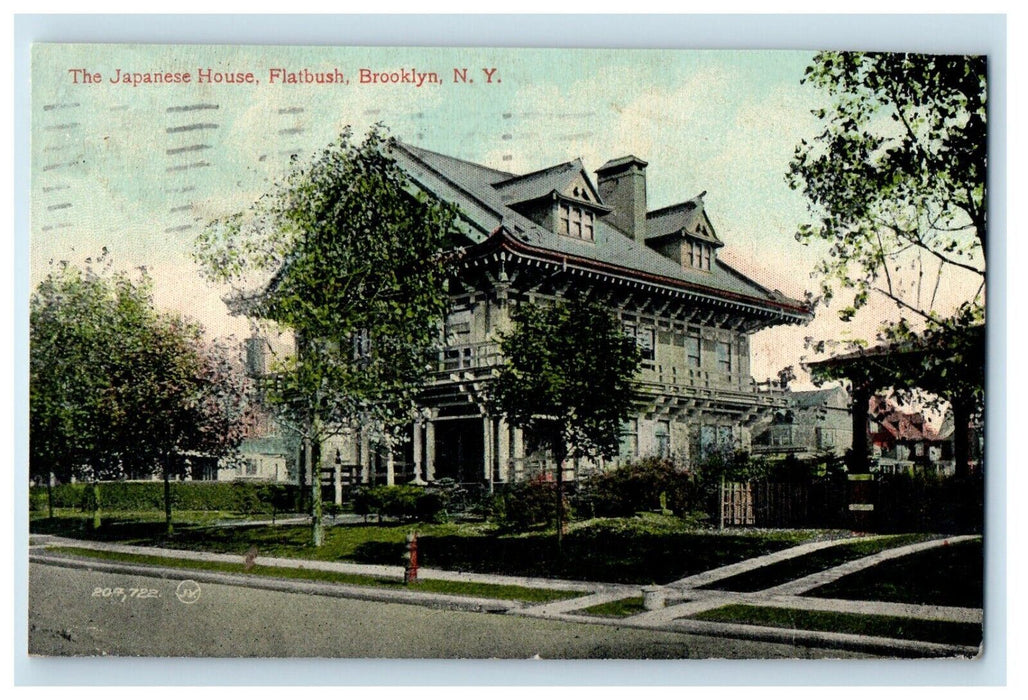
682, 217
473, 189
813, 398
558, 178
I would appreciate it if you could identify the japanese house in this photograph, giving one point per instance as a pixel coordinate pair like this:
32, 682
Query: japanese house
559, 232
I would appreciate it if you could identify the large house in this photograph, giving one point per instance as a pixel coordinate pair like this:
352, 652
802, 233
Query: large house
560, 232
813, 423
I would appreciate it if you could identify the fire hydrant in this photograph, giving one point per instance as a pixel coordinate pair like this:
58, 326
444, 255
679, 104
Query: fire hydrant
410, 559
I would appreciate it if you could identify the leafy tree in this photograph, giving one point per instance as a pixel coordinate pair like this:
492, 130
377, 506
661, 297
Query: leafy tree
896, 180
118, 389
355, 257
567, 380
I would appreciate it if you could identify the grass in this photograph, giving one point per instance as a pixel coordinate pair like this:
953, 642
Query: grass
460, 588
615, 550
946, 575
798, 567
963, 633
617, 608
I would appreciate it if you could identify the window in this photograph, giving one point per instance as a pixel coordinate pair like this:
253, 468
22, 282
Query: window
628, 444
724, 357
644, 338
826, 437
708, 440
699, 255
692, 350
662, 434
250, 467
576, 222
781, 435
458, 324
361, 345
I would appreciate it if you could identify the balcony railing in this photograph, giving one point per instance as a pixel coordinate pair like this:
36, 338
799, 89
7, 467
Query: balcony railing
472, 356
454, 358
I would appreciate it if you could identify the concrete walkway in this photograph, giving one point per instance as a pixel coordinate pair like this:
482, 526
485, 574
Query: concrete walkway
686, 600
684, 597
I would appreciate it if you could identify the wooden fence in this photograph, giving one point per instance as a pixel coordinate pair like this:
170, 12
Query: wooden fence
900, 505
782, 504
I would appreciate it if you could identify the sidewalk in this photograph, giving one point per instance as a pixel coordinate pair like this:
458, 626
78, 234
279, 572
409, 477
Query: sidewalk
684, 598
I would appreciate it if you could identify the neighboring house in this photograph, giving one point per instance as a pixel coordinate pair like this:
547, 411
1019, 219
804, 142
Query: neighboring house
266, 453
813, 422
556, 233
903, 441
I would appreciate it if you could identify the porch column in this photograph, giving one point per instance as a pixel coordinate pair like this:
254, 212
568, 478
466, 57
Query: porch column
430, 448
364, 457
337, 478
418, 450
487, 450
519, 453
390, 472
503, 449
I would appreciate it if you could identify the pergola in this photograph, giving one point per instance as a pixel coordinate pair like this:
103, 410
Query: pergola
948, 363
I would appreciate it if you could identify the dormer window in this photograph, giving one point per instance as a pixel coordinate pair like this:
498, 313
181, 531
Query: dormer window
576, 222
698, 255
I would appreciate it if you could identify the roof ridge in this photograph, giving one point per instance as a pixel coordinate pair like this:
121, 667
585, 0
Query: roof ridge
419, 149
698, 199
537, 173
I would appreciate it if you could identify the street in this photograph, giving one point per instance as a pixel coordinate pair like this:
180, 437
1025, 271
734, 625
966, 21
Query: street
80, 612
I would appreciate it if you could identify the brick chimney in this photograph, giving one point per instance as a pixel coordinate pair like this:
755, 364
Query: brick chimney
622, 185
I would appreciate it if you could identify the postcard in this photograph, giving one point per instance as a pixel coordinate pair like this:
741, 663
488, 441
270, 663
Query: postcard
506, 353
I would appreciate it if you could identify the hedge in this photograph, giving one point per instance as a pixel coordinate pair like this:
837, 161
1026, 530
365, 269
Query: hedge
404, 502
234, 497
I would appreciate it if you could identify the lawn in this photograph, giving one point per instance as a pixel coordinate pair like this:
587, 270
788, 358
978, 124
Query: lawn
461, 588
617, 608
617, 550
798, 567
947, 575
963, 633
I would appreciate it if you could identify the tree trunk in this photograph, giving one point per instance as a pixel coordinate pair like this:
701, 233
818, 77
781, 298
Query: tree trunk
50, 494
317, 527
96, 505
961, 437
168, 529
561, 456
861, 453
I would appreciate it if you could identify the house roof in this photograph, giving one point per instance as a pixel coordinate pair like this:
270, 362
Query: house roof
900, 425
685, 218
542, 183
814, 398
478, 191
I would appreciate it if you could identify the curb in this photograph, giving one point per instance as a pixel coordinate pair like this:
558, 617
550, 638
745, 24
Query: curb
880, 646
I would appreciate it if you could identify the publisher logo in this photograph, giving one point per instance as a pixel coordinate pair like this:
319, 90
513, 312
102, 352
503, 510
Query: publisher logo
188, 592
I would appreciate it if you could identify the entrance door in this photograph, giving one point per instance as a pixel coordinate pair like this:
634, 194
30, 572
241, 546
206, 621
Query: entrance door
459, 450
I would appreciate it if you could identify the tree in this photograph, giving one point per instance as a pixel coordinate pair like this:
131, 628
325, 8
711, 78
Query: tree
896, 180
357, 267
567, 380
118, 389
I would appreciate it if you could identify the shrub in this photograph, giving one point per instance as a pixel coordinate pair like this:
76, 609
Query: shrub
234, 497
650, 484
403, 502
529, 504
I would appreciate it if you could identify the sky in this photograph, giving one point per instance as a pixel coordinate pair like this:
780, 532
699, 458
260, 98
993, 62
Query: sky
140, 168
